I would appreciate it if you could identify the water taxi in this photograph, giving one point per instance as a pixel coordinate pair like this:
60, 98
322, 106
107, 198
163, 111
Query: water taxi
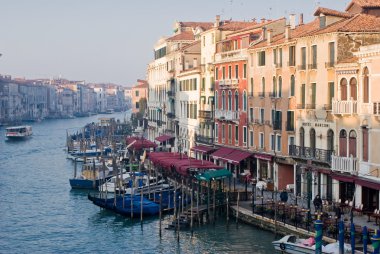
18, 132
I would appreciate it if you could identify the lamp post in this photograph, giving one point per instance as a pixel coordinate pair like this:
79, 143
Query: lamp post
253, 182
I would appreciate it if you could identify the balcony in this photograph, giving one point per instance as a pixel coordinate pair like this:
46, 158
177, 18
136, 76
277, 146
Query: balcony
229, 84
227, 115
370, 108
205, 114
240, 54
309, 153
344, 164
171, 93
204, 139
344, 107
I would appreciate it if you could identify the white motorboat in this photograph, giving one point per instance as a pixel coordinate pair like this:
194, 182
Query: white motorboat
19, 132
294, 245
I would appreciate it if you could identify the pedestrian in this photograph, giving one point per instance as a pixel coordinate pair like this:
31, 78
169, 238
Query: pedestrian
317, 203
284, 196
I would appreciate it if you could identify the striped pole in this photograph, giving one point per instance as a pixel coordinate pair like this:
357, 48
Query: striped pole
376, 242
318, 225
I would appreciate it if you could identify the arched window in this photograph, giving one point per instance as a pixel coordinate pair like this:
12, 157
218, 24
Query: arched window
352, 144
292, 85
279, 87
244, 101
312, 138
302, 137
365, 85
229, 100
223, 100
330, 140
216, 100
343, 143
274, 88
343, 89
353, 89
236, 100
263, 87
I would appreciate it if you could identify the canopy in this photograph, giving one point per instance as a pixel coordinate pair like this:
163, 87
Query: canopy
214, 175
164, 138
137, 143
203, 149
231, 155
221, 152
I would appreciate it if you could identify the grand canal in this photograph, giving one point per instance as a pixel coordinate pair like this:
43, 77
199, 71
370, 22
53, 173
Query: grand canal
39, 213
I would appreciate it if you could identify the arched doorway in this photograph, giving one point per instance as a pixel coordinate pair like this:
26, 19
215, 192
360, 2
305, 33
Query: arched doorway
343, 143
343, 89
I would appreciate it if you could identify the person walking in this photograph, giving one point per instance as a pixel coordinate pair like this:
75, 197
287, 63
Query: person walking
284, 196
317, 203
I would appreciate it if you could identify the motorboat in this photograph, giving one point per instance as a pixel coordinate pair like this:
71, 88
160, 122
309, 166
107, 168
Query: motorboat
91, 176
19, 132
293, 245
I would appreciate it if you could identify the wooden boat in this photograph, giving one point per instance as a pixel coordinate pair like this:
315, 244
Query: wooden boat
19, 132
294, 245
92, 175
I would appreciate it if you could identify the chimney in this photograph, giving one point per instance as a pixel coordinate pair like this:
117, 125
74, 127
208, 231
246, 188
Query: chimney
269, 36
287, 32
217, 21
300, 21
292, 21
264, 33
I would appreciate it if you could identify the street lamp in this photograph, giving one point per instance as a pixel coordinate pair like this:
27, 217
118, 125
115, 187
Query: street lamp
253, 182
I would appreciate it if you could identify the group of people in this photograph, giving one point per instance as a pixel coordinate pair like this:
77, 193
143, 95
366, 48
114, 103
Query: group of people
317, 201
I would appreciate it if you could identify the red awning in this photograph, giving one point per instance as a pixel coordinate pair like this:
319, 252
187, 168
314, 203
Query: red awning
137, 143
237, 156
368, 183
263, 157
164, 138
203, 149
222, 153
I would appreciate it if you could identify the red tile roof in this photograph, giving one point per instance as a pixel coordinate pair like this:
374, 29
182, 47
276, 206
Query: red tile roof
235, 25
203, 25
330, 12
364, 3
183, 36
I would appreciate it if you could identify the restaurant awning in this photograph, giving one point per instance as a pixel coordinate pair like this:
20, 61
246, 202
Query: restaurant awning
214, 175
231, 155
163, 138
368, 183
203, 149
137, 143
343, 178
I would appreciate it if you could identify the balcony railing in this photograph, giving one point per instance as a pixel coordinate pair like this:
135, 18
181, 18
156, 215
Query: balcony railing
344, 164
205, 114
309, 153
231, 55
345, 107
204, 139
370, 108
227, 115
228, 83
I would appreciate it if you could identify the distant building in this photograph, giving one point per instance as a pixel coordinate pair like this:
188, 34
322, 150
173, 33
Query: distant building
139, 91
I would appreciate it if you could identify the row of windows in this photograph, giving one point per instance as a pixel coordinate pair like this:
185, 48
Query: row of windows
230, 75
188, 85
231, 104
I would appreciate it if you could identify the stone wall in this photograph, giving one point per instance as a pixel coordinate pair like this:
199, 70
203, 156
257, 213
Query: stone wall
349, 43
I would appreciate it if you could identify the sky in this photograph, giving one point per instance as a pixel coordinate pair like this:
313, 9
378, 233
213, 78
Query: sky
112, 40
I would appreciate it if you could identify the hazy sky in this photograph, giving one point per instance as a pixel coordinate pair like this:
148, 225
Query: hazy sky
112, 41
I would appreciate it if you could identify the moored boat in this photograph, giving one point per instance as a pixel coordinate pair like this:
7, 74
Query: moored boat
92, 175
19, 132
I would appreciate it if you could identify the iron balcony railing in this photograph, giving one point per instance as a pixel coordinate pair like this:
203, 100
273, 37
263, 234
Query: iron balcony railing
204, 139
309, 153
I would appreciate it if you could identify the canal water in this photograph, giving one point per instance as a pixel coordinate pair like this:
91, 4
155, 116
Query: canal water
39, 213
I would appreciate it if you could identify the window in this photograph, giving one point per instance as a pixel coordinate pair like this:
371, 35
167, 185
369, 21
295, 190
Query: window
250, 138
353, 89
223, 132
236, 100
250, 114
280, 57
279, 87
216, 131
236, 134
312, 138
229, 134
330, 140
313, 95
290, 121
274, 87
229, 100
244, 101
365, 144
272, 142
224, 72
216, 73
261, 58
343, 143
245, 134
278, 143
331, 54
303, 95
331, 94
262, 115
137, 93
314, 56
291, 143
302, 137
216, 100
292, 56
352, 144
223, 100
262, 93
203, 86
245, 71
365, 85
137, 104
274, 56
292, 85
230, 72
261, 140
343, 89
236, 71
303, 58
